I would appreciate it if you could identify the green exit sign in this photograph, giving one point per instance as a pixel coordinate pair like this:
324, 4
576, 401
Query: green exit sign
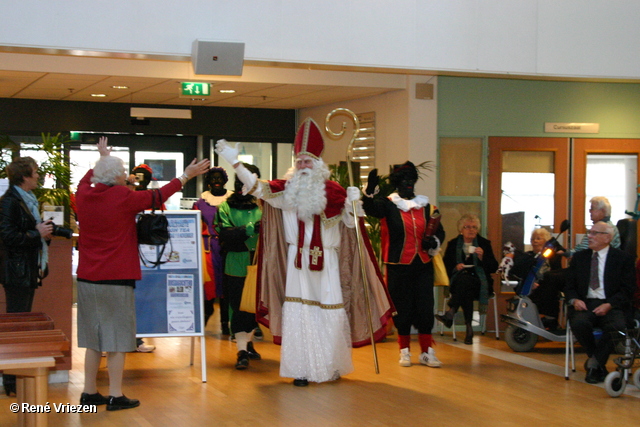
195, 89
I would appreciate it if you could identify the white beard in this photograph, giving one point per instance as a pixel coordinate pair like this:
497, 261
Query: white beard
305, 193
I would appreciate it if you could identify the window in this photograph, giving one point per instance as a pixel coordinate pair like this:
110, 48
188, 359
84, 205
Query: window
619, 187
528, 182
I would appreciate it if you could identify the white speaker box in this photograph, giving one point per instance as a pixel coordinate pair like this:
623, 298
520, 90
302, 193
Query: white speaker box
217, 58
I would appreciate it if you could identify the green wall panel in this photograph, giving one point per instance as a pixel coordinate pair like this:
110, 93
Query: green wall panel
501, 107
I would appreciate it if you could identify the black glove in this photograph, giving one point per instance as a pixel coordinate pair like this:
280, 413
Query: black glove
372, 182
429, 242
256, 227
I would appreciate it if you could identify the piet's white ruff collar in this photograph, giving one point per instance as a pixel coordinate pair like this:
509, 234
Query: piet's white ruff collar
406, 205
215, 200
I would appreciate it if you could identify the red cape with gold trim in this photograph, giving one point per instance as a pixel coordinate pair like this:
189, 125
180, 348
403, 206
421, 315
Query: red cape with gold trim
272, 265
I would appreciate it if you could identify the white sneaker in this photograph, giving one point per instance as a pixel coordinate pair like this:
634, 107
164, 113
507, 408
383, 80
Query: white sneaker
429, 358
405, 357
144, 348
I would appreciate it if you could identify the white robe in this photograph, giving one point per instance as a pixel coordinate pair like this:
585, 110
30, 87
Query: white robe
316, 336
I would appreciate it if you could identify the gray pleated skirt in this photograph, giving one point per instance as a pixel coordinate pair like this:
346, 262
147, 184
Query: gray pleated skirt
106, 317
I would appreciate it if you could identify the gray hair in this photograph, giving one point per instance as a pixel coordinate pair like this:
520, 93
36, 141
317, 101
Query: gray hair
542, 232
107, 169
468, 218
608, 228
601, 203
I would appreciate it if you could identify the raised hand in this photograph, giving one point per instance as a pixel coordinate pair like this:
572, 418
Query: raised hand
224, 150
195, 169
372, 182
103, 147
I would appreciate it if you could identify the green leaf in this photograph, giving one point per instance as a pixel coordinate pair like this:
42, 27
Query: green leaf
56, 164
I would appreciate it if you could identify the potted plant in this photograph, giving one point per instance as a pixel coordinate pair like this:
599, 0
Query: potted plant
56, 165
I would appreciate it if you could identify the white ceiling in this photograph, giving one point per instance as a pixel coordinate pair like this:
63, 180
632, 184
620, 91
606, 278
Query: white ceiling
166, 91
35, 73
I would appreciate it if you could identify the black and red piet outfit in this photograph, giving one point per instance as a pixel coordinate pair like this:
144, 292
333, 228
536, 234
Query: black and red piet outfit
409, 268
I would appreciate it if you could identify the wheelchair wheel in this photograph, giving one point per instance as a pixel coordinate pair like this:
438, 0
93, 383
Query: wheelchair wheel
519, 339
636, 378
615, 384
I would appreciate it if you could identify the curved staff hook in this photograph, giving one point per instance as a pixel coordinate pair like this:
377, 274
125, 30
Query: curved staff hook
354, 206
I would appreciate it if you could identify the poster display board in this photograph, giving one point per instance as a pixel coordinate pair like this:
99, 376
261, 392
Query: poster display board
169, 297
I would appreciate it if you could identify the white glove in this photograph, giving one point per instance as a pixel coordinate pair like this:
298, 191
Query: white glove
228, 153
353, 193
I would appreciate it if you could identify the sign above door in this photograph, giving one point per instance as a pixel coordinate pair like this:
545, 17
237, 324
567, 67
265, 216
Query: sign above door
572, 127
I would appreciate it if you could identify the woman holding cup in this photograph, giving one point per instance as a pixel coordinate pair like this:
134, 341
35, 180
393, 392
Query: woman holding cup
469, 261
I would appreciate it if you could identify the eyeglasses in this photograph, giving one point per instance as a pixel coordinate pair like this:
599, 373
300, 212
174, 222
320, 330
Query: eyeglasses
596, 232
470, 227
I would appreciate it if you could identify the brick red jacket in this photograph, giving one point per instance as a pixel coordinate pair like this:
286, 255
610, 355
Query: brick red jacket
108, 241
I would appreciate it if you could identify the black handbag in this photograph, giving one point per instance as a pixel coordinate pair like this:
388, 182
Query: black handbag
153, 230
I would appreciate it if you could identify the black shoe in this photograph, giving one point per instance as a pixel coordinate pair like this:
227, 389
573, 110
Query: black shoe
10, 388
591, 362
225, 330
468, 339
253, 354
243, 360
93, 399
122, 402
9, 382
300, 382
448, 321
257, 333
596, 375
593, 376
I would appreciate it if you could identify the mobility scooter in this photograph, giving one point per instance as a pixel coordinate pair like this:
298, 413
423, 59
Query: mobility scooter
524, 324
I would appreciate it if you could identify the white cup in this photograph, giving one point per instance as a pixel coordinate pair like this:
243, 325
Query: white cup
471, 249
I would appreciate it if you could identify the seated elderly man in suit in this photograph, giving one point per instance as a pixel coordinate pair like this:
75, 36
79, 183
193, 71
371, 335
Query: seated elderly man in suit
599, 288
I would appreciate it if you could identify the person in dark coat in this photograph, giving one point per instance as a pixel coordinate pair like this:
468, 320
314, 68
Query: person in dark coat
549, 279
600, 286
470, 262
25, 238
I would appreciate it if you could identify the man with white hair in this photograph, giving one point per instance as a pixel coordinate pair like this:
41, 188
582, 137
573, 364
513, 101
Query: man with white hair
599, 289
313, 317
600, 211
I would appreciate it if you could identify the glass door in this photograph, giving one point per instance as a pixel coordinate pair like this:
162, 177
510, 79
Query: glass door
603, 167
528, 188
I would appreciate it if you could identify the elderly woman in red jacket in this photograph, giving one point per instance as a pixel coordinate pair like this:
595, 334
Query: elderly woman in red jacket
108, 268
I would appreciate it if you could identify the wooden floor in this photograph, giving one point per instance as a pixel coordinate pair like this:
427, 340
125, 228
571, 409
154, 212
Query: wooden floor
485, 384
